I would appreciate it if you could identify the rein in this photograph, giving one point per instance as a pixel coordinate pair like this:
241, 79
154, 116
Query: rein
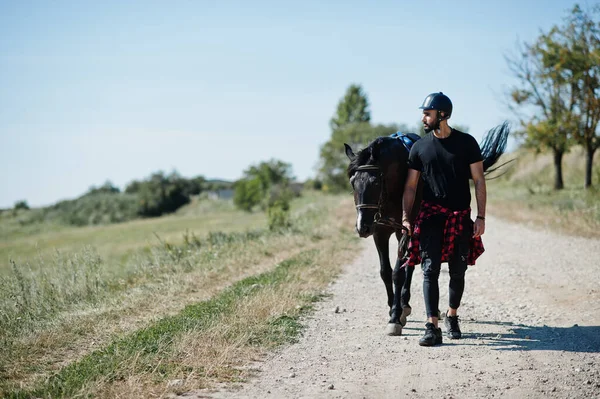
379, 219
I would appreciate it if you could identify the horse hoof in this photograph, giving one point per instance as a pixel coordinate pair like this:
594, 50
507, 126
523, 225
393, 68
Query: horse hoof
405, 313
394, 329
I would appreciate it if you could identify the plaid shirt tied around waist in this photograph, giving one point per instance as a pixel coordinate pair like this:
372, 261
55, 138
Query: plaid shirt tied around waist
453, 228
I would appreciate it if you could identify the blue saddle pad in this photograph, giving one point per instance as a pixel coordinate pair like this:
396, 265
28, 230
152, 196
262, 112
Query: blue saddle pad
408, 139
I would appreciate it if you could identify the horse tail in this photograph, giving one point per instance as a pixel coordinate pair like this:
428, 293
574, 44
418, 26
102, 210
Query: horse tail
493, 146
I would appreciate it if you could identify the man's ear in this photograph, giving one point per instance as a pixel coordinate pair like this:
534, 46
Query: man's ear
349, 153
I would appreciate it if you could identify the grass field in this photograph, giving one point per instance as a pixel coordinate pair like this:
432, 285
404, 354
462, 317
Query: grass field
121, 310
117, 241
525, 194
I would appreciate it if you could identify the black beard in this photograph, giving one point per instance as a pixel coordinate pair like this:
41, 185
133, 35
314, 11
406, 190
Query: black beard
428, 128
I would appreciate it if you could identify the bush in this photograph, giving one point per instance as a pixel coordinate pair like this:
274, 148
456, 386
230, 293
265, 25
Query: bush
100, 208
313, 184
162, 194
279, 215
247, 194
106, 188
21, 205
157, 195
259, 182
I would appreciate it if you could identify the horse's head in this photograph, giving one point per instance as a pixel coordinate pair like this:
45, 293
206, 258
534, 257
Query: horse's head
373, 174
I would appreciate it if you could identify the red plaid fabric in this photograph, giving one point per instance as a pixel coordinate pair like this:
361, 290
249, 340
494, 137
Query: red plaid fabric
453, 228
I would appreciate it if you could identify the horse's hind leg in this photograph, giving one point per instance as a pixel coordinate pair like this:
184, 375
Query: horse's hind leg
405, 294
402, 279
399, 279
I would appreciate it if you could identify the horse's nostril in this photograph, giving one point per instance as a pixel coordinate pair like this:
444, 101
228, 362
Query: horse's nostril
363, 231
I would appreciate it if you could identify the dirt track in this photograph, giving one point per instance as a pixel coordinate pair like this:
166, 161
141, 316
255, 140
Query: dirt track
530, 320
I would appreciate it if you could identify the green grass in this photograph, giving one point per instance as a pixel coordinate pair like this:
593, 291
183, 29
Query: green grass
148, 345
31, 296
116, 242
34, 291
51, 304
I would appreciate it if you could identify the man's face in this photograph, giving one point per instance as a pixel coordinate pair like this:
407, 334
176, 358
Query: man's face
430, 120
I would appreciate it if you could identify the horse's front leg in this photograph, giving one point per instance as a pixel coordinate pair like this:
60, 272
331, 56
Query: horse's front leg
382, 242
401, 278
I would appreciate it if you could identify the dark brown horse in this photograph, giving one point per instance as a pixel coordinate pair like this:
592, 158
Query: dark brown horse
377, 175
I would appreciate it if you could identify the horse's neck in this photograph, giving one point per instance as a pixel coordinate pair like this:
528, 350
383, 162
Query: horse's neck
393, 203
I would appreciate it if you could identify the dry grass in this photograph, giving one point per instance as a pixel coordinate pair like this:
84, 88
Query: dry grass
581, 222
525, 194
223, 352
76, 333
83, 329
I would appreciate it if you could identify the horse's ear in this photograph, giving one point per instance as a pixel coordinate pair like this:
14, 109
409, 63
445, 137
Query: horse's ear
349, 153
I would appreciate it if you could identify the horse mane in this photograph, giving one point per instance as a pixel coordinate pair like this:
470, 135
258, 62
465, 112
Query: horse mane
364, 156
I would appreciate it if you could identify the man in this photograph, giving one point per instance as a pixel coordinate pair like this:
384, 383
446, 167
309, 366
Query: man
443, 160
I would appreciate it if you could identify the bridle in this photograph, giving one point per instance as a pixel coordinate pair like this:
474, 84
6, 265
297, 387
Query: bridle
379, 219
379, 176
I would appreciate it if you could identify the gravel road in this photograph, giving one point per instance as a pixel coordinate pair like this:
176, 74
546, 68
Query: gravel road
530, 320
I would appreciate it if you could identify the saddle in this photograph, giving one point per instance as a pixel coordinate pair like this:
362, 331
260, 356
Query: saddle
407, 139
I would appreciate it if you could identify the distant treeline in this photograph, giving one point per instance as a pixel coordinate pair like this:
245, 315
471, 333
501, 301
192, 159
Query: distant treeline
157, 195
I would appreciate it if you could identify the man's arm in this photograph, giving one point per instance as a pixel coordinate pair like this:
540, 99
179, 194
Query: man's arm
480, 197
408, 197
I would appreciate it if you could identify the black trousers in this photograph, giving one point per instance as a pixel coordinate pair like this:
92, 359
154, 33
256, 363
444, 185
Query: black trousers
431, 241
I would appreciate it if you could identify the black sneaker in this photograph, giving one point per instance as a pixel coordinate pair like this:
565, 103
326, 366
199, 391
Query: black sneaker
452, 327
433, 336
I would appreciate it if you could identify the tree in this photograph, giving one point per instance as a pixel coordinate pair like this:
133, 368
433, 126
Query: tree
559, 78
333, 161
106, 188
542, 102
574, 51
133, 187
353, 108
247, 194
262, 183
195, 185
21, 205
162, 194
270, 173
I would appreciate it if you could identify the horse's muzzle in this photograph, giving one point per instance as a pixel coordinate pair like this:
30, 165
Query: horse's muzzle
364, 226
364, 230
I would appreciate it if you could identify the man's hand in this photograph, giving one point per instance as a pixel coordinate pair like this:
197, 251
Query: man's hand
408, 226
479, 227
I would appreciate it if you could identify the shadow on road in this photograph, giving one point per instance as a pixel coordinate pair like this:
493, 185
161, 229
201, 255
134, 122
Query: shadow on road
522, 337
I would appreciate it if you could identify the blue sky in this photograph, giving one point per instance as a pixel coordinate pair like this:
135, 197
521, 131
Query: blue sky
116, 90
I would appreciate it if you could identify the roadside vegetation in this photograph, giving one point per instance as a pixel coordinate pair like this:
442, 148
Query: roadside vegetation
525, 194
174, 314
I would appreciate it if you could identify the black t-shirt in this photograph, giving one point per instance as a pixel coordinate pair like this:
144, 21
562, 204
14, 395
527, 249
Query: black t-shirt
445, 168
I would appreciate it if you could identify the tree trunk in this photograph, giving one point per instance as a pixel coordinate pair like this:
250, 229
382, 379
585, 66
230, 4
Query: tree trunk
589, 163
558, 179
